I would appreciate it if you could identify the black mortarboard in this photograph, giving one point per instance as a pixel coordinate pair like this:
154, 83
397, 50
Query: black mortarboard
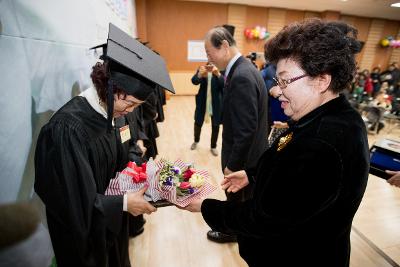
133, 67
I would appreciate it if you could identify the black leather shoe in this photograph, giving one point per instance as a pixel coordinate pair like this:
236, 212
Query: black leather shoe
136, 225
220, 237
137, 232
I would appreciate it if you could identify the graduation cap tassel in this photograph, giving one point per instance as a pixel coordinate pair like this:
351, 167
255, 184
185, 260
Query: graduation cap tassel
110, 104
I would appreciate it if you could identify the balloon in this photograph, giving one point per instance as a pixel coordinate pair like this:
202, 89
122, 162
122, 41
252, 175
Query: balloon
385, 42
251, 35
256, 33
247, 32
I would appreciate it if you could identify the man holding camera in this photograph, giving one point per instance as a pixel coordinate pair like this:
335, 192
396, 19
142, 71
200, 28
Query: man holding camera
208, 103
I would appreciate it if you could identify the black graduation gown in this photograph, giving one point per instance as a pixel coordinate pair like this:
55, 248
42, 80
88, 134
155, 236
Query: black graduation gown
149, 109
161, 101
75, 159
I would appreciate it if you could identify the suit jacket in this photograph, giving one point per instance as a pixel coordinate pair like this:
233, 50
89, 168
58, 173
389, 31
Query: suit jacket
244, 117
305, 195
217, 86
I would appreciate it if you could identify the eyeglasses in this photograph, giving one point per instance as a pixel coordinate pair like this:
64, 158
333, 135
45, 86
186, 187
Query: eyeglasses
282, 83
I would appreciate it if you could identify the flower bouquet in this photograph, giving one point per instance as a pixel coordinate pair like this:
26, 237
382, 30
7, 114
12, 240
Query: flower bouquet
178, 183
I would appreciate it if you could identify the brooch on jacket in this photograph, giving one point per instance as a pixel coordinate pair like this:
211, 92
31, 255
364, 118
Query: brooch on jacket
284, 140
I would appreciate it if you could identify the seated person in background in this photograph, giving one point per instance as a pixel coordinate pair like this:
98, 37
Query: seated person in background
208, 103
382, 100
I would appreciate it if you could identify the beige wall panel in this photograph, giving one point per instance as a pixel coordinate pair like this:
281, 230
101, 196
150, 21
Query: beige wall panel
382, 54
310, 14
255, 16
276, 20
141, 21
237, 18
395, 57
371, 44
348, 19
330, 15
293, 16
182, 82
170, 24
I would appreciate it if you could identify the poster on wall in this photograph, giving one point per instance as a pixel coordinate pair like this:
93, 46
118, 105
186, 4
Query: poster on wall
196, 51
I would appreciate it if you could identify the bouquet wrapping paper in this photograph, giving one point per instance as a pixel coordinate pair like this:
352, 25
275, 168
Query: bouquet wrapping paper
130, 180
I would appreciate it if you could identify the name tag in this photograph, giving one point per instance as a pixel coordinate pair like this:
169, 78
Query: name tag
125, 133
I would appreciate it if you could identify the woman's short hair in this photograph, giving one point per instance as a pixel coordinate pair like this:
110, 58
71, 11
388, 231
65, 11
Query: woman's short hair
100, 76
319, 47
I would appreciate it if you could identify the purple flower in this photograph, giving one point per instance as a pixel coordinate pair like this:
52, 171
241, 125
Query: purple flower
168, 181
176, 170
191, 190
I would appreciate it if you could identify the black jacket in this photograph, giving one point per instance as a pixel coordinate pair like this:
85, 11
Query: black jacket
244, 117
305, 195
217, 85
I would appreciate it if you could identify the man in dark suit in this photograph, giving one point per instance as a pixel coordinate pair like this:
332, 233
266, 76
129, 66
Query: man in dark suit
244, 115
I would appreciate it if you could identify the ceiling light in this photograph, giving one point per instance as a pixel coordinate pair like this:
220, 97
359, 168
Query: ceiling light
395, 4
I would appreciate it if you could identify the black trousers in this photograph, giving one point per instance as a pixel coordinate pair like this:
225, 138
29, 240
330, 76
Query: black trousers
214, 133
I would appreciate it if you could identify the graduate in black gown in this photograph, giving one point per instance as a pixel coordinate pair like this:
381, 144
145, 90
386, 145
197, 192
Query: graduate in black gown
79, 150
150, 114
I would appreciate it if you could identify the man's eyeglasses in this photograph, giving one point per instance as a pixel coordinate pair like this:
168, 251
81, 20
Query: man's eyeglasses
282, 83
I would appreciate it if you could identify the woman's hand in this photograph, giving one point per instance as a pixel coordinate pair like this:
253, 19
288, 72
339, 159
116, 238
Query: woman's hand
194, 206
137, 204
235, 181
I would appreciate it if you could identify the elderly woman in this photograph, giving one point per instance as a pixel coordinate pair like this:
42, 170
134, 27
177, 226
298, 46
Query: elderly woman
310, 182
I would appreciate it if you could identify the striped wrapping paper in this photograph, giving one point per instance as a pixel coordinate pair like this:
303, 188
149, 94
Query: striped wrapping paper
169, 192
122, 183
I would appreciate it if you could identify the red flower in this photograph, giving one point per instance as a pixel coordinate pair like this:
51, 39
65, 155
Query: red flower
188, 173
184, 185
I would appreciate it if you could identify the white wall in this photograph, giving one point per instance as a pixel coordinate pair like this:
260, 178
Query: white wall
44, 56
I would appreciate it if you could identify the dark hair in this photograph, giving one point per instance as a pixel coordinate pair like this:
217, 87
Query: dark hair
100, 76
319, 47
218, 34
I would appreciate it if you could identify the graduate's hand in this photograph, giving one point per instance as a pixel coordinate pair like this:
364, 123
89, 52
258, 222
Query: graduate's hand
395, 179
138, 205
194, 206
141, 146
235, 181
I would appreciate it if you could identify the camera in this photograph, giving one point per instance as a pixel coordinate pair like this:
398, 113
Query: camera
209, 68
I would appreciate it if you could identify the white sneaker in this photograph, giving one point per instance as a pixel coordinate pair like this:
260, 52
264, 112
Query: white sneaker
214, 151
193, 146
